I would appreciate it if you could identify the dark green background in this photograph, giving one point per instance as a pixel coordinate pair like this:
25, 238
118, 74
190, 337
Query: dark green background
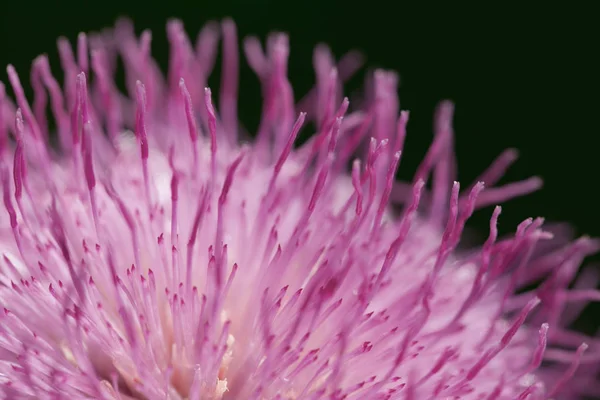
521, 76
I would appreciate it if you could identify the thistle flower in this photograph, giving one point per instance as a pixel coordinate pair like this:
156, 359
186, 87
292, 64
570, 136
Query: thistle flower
151, 254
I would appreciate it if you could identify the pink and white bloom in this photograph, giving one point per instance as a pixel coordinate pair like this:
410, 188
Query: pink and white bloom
154, 253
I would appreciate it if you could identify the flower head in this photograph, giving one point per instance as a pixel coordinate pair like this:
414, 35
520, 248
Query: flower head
151, 254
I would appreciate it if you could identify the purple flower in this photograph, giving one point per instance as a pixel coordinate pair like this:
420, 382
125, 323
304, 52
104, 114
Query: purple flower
153, 254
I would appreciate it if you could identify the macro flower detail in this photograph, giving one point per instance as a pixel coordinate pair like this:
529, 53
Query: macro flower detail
155, 251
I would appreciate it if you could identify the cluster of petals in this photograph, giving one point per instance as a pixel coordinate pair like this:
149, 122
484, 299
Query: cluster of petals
155, 251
